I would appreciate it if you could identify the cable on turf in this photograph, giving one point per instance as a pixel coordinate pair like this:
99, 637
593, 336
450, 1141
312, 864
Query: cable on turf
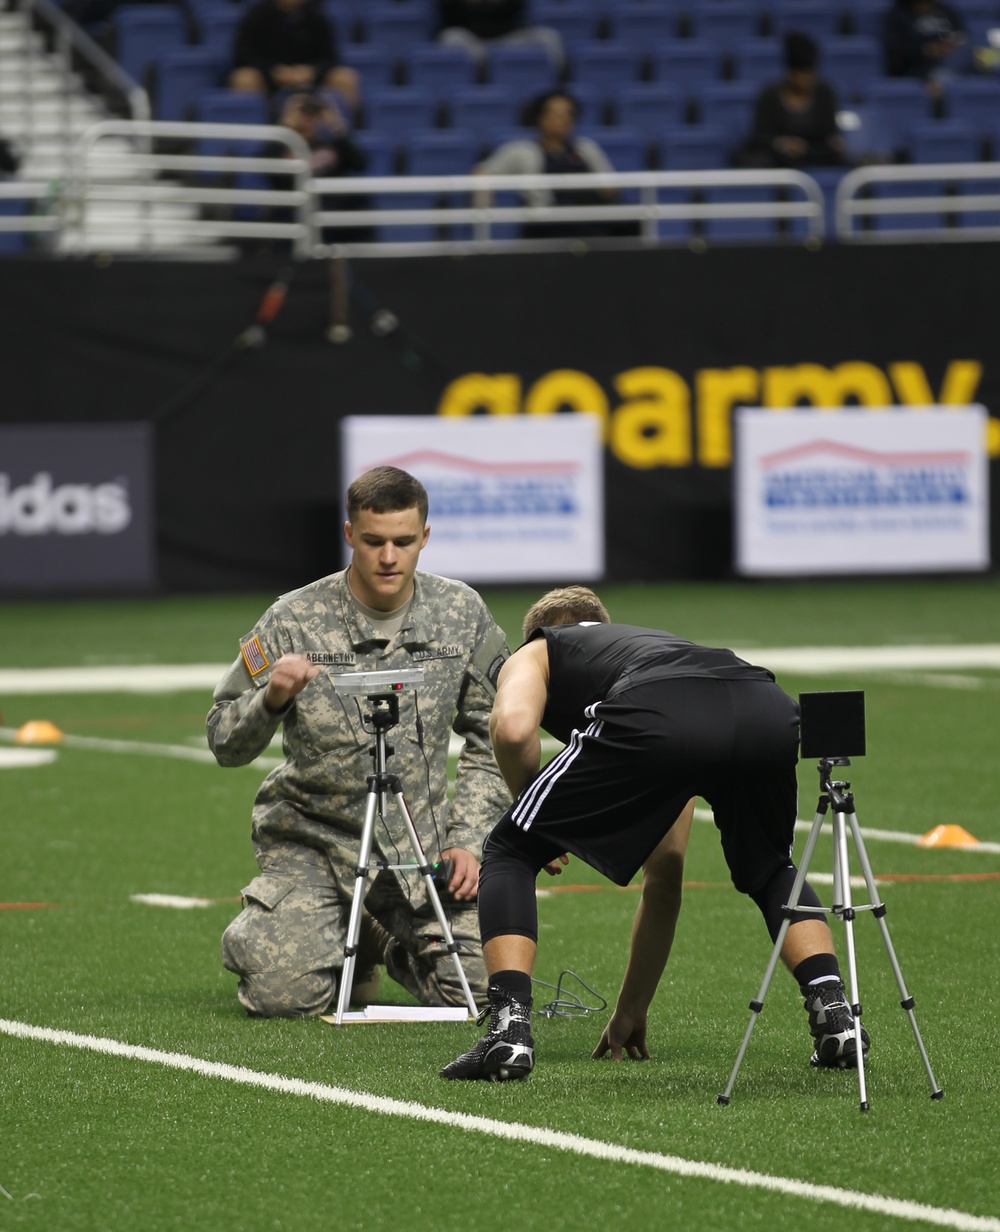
568, 1004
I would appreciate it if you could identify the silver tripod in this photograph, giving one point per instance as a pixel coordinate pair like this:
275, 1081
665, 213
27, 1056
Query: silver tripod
381, 785
835, 794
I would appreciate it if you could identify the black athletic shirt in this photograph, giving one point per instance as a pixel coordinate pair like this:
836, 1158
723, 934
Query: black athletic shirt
591, 662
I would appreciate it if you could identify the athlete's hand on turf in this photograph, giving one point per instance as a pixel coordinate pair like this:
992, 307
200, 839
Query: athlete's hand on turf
553, 869
464, 882
289, 676
625, 1033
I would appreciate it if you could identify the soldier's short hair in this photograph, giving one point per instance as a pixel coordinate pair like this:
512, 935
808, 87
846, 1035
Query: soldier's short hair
386, 489
566, 605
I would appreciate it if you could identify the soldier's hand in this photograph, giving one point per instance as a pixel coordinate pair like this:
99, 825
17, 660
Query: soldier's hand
464, 883
289, 676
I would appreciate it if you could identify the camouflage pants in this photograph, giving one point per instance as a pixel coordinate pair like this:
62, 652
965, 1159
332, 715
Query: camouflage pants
287, 944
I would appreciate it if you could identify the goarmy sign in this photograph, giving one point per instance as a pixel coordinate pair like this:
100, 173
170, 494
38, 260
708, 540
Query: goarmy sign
76, 509
657, 418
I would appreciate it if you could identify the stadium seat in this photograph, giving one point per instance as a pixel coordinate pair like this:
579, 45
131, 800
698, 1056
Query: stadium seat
975, 101
758, 61
217, 24
697, 147
142, 32
740, 228
686, 63
649, 106
898, 102
640, 25
376, 70
820, 19
393, 27
485, 110
399, 110
379, 150
13, 241
523, 70
865, 17
909, 221
850, 63
603, 65
181, 76
943, 141
452, 151
440, 70
728, 105
229, 107
726, 23
627, 148
576, 21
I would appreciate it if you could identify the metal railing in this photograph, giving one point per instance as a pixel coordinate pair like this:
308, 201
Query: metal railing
139, 185
862, 215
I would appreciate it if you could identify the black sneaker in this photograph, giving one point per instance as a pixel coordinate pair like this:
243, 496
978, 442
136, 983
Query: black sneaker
831, 1022
506, 1050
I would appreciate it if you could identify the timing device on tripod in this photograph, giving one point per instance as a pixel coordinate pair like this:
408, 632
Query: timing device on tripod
832, 729
381, 690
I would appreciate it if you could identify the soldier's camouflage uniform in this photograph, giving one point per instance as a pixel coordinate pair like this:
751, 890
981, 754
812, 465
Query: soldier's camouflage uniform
287, 944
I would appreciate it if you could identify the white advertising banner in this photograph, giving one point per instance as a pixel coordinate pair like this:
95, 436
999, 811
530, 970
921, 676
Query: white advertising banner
860, 491
512, 498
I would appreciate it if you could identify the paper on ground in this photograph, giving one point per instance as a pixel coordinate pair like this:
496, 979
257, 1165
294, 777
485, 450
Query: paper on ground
404, 1013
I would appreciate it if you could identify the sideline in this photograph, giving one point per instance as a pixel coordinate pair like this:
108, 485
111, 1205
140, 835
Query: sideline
798, 660
942, 1217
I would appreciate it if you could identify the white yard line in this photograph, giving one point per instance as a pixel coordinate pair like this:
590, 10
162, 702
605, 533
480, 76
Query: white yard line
609, 1152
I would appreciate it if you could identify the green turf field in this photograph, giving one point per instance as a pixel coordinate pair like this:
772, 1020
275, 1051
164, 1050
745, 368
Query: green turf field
160, 1106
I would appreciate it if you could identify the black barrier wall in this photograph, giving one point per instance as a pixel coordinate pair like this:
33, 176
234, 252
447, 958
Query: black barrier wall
662, 345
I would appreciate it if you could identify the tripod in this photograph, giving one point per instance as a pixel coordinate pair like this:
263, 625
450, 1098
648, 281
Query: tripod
385, 715
837, 794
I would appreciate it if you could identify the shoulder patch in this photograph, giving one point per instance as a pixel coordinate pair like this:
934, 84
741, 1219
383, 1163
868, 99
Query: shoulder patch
254, 656
493, 671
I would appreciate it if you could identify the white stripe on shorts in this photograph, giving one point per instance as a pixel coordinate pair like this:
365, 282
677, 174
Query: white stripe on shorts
536, 793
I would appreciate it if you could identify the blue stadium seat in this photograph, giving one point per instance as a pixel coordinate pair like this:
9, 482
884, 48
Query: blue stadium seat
626, 148
604, 65
898, 102
142, 32
725, 22
485, 110
943, 141
909, 221
379, 150
394, 28
865, 17
697, 147
759, 61
452, 151
820, 19
575, 20
376, 70
640, 24
740, 228
974, 100
524, 70
13, 241
230, 107
850, 63
440, 70
649, 106
399, 110
686, 62
729, 105
181, 76
217, 24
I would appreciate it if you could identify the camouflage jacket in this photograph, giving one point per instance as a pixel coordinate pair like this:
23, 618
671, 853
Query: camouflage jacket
317, 797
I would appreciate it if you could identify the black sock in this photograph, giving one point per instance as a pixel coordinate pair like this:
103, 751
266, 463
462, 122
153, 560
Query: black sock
816, 967
516, 984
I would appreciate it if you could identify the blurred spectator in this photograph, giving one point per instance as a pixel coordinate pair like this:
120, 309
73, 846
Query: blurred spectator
474, 23
290, 45
555, 150
795, 117
927, 39
324, 127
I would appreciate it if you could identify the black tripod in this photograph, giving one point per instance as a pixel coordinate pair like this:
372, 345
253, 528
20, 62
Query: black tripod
836, 716
385, 715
